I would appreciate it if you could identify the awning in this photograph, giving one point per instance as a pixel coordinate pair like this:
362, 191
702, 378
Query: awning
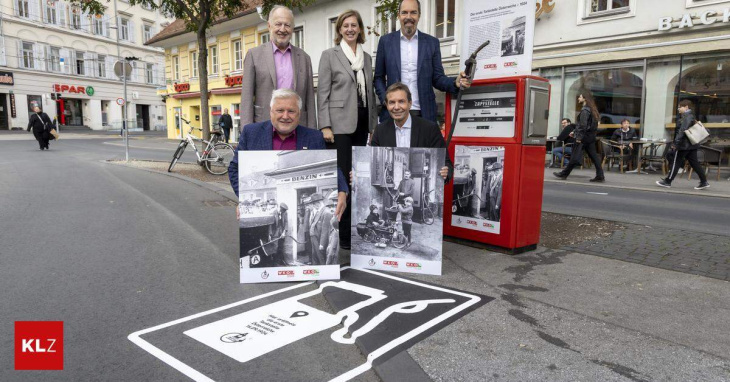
226, 91
186, 95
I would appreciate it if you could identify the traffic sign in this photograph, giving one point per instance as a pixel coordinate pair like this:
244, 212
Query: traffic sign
120, 101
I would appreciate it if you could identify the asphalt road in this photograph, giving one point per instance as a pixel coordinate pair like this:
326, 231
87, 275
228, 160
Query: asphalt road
690, 212
112, 250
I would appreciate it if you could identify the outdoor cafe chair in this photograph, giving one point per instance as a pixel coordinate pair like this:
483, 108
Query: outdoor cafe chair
707, 156
613, 153
653, 154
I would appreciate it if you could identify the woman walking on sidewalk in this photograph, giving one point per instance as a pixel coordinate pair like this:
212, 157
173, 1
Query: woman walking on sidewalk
41, 125
682, 149
585, 138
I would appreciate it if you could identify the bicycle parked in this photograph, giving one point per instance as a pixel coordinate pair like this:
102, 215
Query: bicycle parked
216, 155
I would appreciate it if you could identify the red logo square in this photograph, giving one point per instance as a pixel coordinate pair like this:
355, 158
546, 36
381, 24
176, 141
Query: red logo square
38, 345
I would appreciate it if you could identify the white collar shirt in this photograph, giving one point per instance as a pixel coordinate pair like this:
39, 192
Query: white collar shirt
409, 66
403, 134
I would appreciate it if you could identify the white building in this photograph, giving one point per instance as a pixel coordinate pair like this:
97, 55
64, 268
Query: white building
49, 47
639, 58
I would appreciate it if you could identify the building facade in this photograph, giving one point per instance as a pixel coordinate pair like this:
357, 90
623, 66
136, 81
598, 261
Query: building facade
313, 32
51, 48
639, 58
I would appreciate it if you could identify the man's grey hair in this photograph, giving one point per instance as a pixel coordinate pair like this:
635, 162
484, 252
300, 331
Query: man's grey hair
277, 7
285, 94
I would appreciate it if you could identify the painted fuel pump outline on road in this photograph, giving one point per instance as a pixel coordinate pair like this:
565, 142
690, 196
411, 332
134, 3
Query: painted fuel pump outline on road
287, 321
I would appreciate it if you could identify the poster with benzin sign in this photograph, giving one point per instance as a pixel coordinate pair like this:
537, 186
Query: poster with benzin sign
509, 25
287, 224
397, 220
477, 196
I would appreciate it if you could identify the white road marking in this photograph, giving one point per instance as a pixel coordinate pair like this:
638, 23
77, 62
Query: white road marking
409, 308
597, 193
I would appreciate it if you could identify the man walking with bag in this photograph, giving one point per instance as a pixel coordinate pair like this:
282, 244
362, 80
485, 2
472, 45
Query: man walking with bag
681, 149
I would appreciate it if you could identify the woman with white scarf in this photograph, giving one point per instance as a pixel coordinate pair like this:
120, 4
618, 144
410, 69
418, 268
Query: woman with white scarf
346, 98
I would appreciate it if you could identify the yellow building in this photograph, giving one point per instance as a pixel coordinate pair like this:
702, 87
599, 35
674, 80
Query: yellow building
227, 45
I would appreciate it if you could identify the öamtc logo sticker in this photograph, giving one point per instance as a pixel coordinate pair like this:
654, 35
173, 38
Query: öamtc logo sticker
38, 345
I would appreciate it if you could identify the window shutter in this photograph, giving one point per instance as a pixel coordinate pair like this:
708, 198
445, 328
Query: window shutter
21, 63
44, 13
110, 61
39, 57
61, 12
105, 26
34, 7
131, 31
66, 55
3, 60
89, 64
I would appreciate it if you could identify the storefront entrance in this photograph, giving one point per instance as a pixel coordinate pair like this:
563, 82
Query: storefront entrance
4, 112
73, 112
143, 117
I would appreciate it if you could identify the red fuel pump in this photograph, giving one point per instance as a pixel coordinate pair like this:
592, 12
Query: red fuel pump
498, 147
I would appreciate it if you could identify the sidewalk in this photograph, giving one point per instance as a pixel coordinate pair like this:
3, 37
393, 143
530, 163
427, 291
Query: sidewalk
575, 312
23, 135
646, 181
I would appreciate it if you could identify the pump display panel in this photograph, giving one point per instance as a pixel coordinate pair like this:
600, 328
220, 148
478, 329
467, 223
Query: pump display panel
487, 111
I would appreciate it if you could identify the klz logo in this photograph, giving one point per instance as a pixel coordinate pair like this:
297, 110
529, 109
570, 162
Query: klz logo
312, 272
390, 263
488, 225
471, 222
490, 66
39, 345
509, 64
413, 265
286, 273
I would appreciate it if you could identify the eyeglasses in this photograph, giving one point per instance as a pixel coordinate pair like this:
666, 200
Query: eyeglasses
278, 25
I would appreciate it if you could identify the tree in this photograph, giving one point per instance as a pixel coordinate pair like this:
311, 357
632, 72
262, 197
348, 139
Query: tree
199, 16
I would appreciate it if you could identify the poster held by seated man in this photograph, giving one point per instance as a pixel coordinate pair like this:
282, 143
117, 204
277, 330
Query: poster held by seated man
275, 152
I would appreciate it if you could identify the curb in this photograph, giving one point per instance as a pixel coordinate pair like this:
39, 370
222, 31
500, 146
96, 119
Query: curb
223, 193
667, 191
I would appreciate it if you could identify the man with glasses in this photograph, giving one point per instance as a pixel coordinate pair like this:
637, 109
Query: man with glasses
414, 58
277, 65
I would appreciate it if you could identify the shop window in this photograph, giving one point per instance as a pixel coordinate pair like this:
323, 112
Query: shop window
555, 76
237, 55
607, 7
33, 101
382, 27
176, 68
212, 60
22, 8
297, 38
194, 64
27, 55
236, 114
101, 66
705, 81
444, 18
215, 116
617, 95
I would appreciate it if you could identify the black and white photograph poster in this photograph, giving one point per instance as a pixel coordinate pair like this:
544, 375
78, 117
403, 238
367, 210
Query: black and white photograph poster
477, 196
509, 26
397, 209
287, 224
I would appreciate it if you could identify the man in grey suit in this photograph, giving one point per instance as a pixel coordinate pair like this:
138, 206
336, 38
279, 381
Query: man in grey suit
276, 65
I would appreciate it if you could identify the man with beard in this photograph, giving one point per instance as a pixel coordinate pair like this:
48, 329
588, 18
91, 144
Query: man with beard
277, 65
414, 58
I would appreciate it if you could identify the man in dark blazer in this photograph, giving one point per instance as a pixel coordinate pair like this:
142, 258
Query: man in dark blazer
414, 58
277, 65
405, 130
283, 132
